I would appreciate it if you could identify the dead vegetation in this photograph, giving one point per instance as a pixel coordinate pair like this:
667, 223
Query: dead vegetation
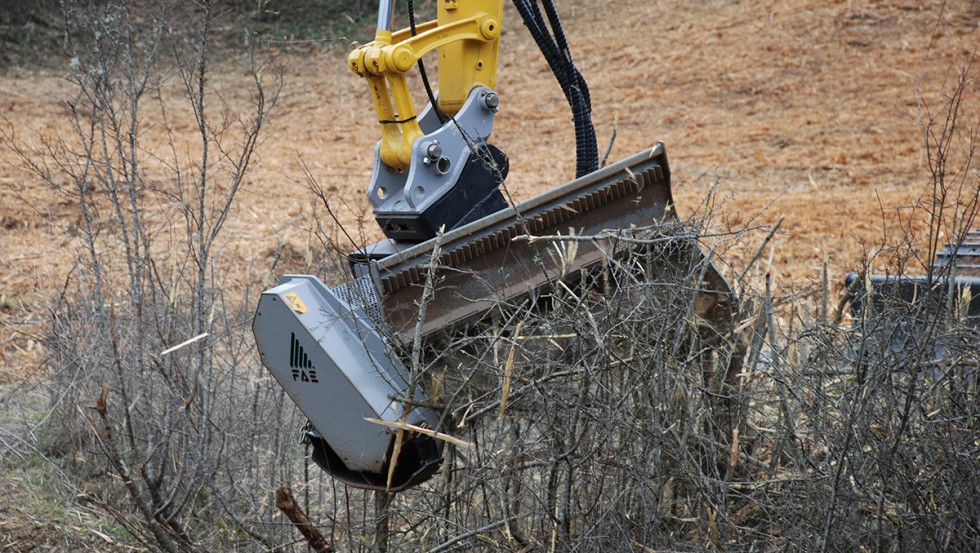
604, 417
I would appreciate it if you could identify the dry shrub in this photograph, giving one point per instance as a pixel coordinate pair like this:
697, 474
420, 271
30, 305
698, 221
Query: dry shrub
155, 392
605, 418
605, 415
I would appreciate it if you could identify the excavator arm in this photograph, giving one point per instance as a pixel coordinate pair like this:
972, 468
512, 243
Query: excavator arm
435, 169
466, 35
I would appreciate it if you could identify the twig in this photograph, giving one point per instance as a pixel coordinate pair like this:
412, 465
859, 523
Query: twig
183, 344
416, 369
286, 503
508, 371
612, 140
668, 232
445, 546
758, 252
605, 235
413, 428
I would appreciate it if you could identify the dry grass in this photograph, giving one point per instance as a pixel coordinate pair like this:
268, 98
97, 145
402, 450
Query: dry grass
803, 113
805, 107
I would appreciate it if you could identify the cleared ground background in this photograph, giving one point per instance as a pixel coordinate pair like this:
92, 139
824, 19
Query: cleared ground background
806, 112
799, 110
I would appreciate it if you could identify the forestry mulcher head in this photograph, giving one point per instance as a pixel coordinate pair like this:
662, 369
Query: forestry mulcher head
334, 349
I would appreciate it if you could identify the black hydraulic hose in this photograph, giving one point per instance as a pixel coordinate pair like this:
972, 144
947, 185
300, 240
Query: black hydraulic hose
565, 72
547, 45
555, 51
425, 77
559, 33
582, 107
534, 21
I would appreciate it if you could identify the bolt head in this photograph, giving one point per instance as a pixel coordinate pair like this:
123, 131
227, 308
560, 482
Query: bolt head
492, 101
433, 151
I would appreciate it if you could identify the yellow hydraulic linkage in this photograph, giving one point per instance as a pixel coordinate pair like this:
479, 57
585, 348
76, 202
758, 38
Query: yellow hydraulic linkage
466, 33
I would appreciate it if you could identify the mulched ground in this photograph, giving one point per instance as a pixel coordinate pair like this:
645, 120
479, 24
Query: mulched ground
804, 111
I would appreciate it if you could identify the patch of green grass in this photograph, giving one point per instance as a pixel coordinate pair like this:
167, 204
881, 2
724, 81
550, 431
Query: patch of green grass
44, 504
327, 21
31, 36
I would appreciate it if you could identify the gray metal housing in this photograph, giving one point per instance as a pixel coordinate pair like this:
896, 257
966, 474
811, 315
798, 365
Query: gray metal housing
324, 350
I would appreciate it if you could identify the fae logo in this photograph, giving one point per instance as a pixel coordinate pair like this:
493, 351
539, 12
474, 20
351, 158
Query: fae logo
303, 369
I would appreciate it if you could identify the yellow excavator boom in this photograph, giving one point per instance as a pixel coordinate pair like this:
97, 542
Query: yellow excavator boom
466, 34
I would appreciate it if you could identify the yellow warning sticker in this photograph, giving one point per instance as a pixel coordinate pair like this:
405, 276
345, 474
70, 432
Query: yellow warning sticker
292, 298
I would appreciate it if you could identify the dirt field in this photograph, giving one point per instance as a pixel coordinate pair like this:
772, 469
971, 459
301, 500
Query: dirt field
799, 109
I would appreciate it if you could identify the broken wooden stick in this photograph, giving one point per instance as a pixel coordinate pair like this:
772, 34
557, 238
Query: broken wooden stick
288, 505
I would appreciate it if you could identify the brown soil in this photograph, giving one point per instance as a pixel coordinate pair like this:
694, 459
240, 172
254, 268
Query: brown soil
801, 110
